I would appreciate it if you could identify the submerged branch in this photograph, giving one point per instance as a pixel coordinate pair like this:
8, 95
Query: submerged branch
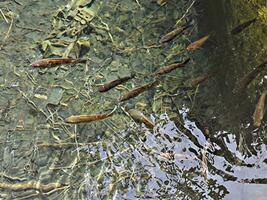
35, 185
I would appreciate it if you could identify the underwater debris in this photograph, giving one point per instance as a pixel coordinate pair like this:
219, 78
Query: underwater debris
195, 45
171, 67
35, 185
55, 95
107, 86
76, 119
259, 110
69, 25
136, 91
52, 62
139, 117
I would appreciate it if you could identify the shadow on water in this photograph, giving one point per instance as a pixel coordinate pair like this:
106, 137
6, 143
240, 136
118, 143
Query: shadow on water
222, 55
228, 115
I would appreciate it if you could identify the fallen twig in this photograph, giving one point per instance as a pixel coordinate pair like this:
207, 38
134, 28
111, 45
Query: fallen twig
3, 15
186, 12
35, 185
9, 29
31, 29
11, 178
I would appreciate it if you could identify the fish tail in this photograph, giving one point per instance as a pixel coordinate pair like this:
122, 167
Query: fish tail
187, 26
80, 61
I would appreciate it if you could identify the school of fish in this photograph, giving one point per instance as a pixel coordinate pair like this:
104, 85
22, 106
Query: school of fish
169, 36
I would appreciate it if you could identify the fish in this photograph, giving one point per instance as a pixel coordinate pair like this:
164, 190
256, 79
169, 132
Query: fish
195, 45
172, 34
76, 119
196, 81
254, 181
248, 78
259, 110
242, 26
139, 117
107, 86
171, 67
138, 90
52, 62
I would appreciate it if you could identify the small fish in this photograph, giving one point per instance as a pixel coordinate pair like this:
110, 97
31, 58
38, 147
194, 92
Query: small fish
52, 62
248, 78
136, 91
107, 86
169, 36
196, 81
242, 26
259, 110
171, 67
76, 119
140, 118
195, 45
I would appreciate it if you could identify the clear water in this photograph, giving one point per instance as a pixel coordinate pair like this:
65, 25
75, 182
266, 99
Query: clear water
203, 145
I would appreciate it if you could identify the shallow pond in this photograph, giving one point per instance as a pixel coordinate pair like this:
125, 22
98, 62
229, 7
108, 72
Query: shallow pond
203, 144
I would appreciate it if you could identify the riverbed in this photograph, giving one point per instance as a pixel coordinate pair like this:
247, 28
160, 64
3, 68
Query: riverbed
202, 144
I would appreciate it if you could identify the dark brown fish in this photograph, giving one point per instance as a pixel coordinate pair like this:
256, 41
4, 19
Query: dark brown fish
259, 110
76, 119
169, 36
242, 26
52, 62
195, 45
107, 86
171, 67
254, 181
248, 78
136, 91
139, 117
194, 82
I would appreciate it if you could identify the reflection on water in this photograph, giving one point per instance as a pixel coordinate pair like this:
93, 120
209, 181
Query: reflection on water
165, 164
